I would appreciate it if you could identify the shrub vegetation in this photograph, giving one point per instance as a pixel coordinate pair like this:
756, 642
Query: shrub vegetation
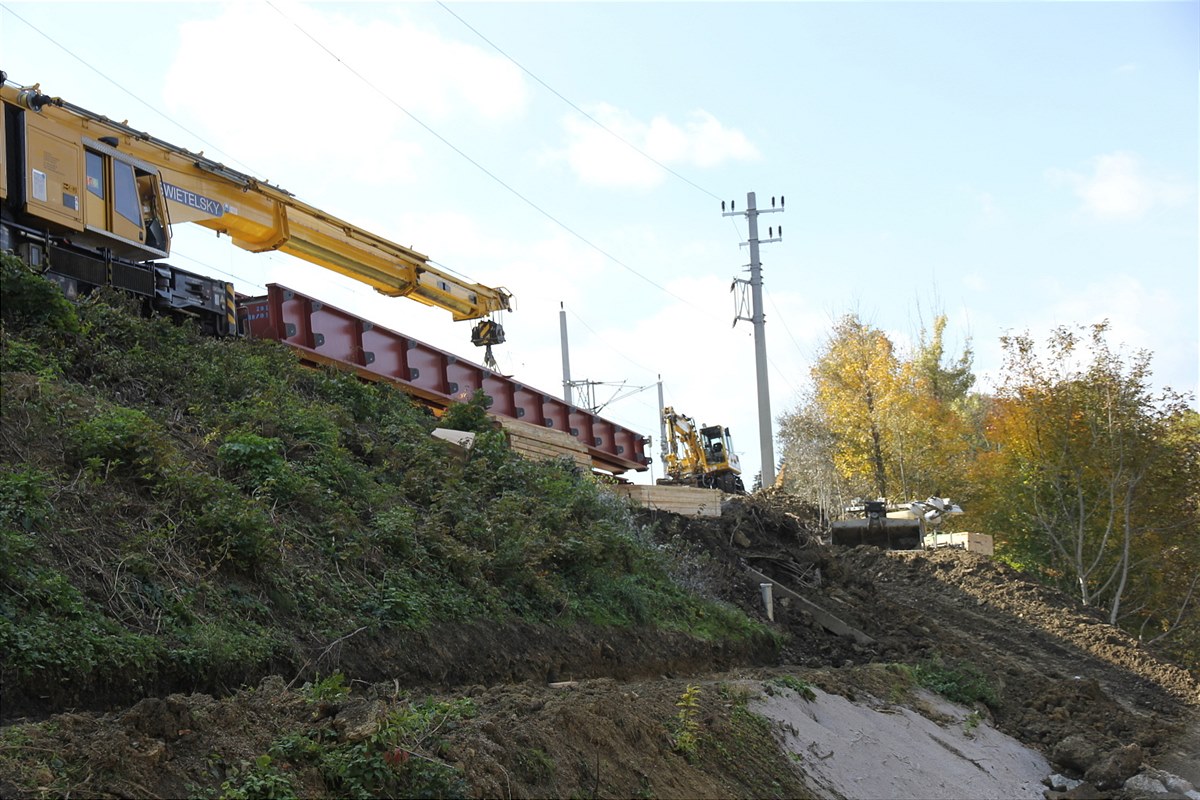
179, 511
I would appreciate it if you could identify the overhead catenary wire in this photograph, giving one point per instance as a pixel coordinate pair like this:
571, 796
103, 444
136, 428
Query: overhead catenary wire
209, 268
462, 154
560, 96
606, 344
598, 123
182, 127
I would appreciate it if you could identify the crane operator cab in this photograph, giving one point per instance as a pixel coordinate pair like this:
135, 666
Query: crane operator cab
124, 201
85, 189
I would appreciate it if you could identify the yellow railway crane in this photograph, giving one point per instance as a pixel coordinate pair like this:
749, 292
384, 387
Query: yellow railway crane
91, 201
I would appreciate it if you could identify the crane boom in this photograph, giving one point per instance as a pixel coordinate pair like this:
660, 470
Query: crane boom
259, 216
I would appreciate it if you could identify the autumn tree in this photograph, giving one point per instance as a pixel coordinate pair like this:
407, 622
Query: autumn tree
930, 419
855, 383
808, 446
878, 424
1089, 476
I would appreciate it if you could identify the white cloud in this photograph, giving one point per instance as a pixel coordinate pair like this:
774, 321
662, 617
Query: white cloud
990, 214
1160, 319
976, 282
267, 76
598, 158
1119, 188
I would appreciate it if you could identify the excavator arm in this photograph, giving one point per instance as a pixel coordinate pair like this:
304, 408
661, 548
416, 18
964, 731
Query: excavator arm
259, 216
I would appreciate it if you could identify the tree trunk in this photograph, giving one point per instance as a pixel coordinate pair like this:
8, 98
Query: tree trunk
1120, 590
876, 447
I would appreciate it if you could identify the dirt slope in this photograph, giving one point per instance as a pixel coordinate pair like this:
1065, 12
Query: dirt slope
1081, 692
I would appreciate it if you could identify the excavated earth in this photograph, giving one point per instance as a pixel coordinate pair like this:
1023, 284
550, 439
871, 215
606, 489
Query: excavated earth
591, 713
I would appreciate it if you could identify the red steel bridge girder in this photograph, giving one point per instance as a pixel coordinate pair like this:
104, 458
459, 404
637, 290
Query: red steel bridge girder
324, 334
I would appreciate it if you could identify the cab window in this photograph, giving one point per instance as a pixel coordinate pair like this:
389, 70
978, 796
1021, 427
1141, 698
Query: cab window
95, 174
126, 194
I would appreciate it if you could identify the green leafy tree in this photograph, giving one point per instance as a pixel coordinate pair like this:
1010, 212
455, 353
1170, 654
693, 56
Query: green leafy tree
929, 423
1089, 476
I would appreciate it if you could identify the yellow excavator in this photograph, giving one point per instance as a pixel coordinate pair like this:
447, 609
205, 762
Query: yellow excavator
90, 201
700, 456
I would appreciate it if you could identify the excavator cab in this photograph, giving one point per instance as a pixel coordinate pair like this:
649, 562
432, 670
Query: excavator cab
701, 456
718, 448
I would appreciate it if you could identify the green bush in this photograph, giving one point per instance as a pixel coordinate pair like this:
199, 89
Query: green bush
256, 462
469, 416
223, 649
391, 763
32, 301
234, 528
49, 632
121, 439
959, 682
258, 780
20, 355
23, 499
796, 685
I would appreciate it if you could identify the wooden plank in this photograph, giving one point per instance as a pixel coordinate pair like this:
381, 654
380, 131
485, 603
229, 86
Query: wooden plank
826, 620
582, 461
684, 500
518, 444
538, 443
525, 430
981, 543
535, 444
975, 542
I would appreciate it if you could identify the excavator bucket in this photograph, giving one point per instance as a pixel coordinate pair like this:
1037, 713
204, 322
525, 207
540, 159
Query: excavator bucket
878, 530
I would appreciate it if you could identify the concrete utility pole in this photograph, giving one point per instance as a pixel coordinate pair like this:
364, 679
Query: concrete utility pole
662, 423
766, 441
566, 357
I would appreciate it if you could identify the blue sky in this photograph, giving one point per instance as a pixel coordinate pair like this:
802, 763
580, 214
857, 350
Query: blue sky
1014, 165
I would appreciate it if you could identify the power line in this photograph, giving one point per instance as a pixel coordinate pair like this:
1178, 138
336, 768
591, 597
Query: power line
208, 268
557, 94
783, 322
610, 347
472, 161
184, 128
595, 121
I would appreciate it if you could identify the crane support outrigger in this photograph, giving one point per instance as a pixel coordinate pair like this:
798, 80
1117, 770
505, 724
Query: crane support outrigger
77, 180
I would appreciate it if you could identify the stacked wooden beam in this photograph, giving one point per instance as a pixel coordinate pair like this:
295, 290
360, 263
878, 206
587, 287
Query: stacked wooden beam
975, 542
685, 500
541, 444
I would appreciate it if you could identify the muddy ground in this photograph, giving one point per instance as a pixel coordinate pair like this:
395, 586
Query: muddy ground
552, 713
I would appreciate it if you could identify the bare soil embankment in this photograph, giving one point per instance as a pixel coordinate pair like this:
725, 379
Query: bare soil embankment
597, 716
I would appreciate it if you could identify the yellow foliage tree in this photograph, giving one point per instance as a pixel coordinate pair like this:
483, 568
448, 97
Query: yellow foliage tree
856, 385
929, 425
892, 427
